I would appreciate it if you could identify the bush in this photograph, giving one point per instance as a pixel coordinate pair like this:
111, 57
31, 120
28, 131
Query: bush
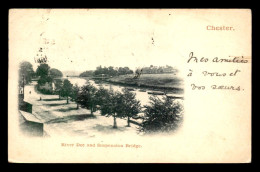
86, 97
45, 91
161, 115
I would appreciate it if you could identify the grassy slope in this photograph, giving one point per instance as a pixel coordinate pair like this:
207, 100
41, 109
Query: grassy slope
157, 80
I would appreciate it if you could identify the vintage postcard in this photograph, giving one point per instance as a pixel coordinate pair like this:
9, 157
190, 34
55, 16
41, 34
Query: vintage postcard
129, 86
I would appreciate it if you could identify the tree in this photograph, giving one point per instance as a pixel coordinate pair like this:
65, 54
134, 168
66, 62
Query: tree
111, 106
127, 71
58, 86
43, 70
111, 71
98, 70
101, 96
161, 115
86, 74
66, 89
44, 79
105, 70
25, 72
55, 73
86, 97
130, 106
75, 94
121, 71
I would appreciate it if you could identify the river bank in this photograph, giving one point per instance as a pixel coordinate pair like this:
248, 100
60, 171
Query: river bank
168, 83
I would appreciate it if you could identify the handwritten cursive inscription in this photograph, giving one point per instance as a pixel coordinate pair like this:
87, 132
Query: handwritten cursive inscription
241, 59
208, 74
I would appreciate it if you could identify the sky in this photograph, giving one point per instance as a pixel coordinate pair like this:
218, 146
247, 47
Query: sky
86, 38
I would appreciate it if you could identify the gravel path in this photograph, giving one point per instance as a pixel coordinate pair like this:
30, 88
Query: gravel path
61, 119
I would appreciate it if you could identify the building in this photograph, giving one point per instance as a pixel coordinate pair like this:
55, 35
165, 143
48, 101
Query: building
30, 125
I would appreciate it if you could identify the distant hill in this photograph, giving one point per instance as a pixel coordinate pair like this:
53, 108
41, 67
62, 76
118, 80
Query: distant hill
71, 73
87, 73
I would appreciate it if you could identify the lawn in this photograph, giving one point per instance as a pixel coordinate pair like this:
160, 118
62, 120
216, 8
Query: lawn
170, 80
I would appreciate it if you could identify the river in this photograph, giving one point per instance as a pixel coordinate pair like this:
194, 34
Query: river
143, 97
97, 127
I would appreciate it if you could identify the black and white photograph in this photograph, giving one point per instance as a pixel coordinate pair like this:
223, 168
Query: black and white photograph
161, 85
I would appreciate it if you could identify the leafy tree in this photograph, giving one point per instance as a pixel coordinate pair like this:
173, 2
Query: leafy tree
86, 97
111, 71
158, 69
75, 94
44, 79
98, 70
66, 89
43, 70
161, 115
128, 71
130, 106
58, 86
105, 70
101, 96
111, 106
55, 73
121, 71
25, 72
86, 74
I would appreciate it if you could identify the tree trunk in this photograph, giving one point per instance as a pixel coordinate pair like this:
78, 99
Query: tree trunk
91, 110
76, 100
128, 121
115, 126
67, 99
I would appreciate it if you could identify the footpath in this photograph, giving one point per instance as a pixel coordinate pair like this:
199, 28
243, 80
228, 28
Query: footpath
60, 118
50, 107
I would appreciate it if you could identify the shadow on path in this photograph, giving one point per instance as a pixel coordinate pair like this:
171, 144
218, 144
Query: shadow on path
53, 99
108, 129
58, 104
71, 118
68, 109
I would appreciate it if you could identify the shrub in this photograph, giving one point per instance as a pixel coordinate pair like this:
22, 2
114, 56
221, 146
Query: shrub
161, 115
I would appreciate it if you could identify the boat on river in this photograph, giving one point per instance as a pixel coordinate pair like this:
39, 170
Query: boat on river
156, 92
174, 96
130, 89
